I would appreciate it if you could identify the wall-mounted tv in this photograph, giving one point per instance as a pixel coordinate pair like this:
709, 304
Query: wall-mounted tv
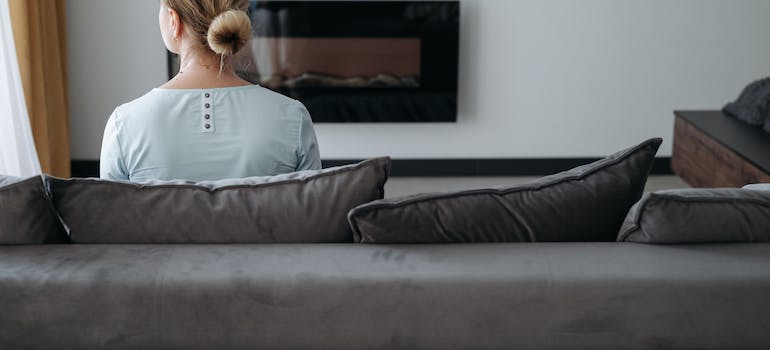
356, 61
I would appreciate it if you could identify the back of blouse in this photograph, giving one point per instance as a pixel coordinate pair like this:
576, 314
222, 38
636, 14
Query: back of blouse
208, 134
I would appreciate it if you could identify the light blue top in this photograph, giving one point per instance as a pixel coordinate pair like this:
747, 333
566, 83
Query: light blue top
208, 134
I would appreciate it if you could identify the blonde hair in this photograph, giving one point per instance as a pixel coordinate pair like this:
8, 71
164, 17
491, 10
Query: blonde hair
222, 26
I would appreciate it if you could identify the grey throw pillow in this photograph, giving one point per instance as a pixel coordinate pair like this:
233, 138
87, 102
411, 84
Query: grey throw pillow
300, 207
699, 216
753, 105
26, 213
587, 203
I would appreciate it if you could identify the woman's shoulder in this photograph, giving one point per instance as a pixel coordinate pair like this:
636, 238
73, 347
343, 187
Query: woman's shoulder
125, 110
251, 92
261, 94
263, 98
162, 100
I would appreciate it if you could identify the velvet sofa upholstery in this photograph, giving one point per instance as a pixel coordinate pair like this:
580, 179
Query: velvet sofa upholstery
409, 296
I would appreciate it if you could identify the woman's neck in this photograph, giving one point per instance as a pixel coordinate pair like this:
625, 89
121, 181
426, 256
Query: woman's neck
201, 70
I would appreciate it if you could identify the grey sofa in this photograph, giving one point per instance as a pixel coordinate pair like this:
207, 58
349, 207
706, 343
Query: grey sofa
338, 296
207, 265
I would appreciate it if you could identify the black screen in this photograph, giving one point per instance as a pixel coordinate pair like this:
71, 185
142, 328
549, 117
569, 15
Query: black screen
357, 61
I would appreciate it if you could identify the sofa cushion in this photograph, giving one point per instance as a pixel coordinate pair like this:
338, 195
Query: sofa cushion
699, 216
306, 206
26, 213
587, 203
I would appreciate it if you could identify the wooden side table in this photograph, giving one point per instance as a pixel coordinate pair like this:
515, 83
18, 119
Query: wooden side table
714, 150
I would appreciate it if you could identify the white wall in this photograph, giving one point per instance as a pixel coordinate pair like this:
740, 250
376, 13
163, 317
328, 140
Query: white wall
115, 55
538, 78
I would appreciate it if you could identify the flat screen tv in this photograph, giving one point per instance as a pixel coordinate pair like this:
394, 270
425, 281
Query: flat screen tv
356, 61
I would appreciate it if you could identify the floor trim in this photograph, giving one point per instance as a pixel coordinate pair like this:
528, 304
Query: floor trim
446, 167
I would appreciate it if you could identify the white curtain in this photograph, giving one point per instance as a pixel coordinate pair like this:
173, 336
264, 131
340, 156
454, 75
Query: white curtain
18, 156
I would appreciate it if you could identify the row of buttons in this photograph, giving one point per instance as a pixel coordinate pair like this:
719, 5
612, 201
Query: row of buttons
207, 113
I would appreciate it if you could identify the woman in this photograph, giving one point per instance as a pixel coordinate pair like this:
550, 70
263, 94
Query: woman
207, 123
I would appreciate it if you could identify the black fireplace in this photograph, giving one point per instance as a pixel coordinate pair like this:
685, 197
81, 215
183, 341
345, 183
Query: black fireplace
357, 61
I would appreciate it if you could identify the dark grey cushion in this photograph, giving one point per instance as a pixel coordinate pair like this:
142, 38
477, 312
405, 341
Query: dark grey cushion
26, 213
699, 216
306, 206
587, 203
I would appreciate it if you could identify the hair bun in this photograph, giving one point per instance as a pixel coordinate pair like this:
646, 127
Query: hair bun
229, 32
